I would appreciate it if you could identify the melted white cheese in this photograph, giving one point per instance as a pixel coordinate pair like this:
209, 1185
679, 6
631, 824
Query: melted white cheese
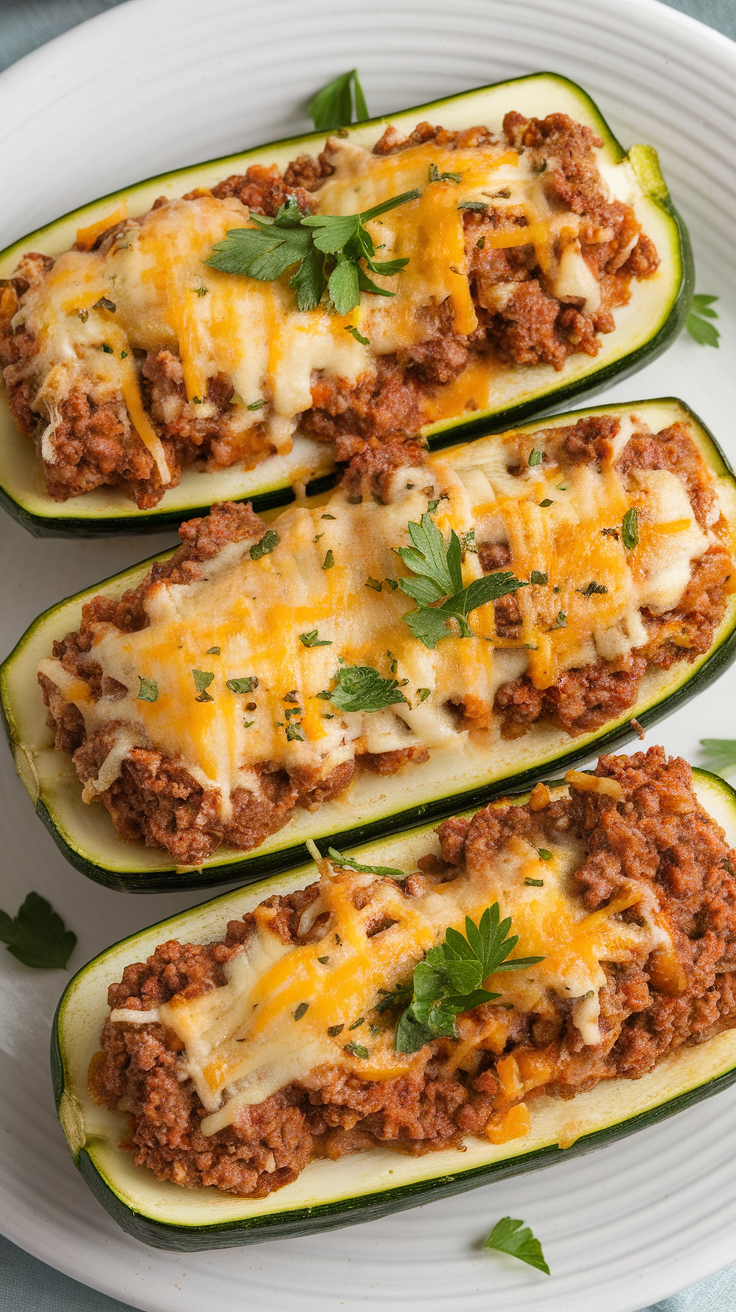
166, 297
270, 1023
243, 618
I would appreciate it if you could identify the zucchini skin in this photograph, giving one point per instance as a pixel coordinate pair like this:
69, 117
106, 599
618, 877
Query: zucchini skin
368, 1206
461, 428
258, 863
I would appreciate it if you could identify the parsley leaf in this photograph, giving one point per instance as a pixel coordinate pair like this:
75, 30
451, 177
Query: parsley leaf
538, 577
436, 176
438, 574
312, 639
719, 754
535, 457
37, 936
265, 545
508, 1236
630, 528
364, 341
242, 685
148, 691
361, 688
697, 324
202, 681
357, 1050
448, 980
329, 560
327, 249
332, 106
347, 863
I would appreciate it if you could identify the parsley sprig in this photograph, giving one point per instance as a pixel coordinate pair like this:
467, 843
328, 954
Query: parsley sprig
329, 251
513, 1237
697, 324
719, 754
437, 574
37, 935
332, 106
361, 688
448, 980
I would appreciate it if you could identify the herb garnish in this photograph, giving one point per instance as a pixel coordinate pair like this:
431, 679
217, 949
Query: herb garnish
436, 176
312, 639
592, 589
535, 457
202, 681
357, 1023
329, 560
301, 1010
332, 107
265, 545
347, 863
361, 688
105, 303
334, 1030
356, 1049
201, 291
547, 502
719, 754
448, 981
423, 694
697, 324
437, 574
507, 1236
630, 528
256, 405
561, 621
327, 248
37, 936
107, 348
212, 651
148, 691
534, 883
538, 577
242, 685
478, 205
294, 733
545, 854
376, 584
364, 341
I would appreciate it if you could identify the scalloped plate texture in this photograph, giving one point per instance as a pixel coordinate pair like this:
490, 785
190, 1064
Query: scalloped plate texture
154, 85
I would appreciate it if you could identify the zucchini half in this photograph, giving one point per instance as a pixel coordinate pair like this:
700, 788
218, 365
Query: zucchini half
645, 327
364, 1186
374, 806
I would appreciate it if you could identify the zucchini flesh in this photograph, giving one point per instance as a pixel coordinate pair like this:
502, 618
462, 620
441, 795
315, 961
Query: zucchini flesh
645, 327
86, 834
363, 1186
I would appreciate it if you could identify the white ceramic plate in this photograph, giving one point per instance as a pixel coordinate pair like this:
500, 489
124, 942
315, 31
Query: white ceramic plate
156, 84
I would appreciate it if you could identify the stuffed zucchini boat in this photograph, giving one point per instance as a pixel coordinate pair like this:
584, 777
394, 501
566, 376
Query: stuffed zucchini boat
289, 1058
232, 329
439, 628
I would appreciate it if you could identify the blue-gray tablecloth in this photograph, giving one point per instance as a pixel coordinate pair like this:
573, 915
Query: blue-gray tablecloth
27, 1285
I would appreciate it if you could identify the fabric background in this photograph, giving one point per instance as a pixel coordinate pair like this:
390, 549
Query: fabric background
27, 1285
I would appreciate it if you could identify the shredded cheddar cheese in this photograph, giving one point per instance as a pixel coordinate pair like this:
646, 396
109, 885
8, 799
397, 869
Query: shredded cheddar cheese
251, 332
244, 618
287, 1009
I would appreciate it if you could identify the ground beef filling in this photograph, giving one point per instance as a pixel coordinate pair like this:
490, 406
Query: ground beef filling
155, 801
520, 322
656, 833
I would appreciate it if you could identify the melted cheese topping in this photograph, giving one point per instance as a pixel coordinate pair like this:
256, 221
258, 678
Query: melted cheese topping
287, 1009
251, 332
243, 618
